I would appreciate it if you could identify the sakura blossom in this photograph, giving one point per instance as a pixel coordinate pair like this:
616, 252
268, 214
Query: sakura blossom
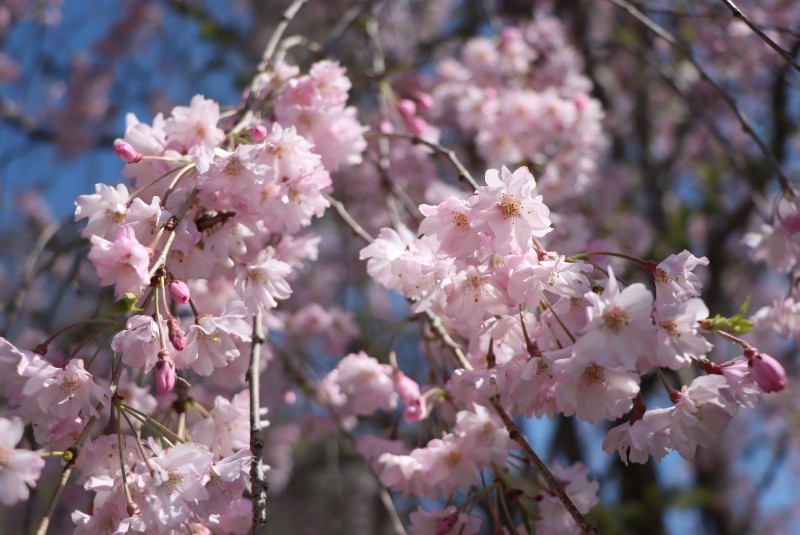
422, 259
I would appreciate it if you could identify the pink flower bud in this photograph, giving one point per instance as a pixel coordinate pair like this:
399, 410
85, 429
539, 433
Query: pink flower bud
415, 410
791, 223
176, 335
767, 372
406, 387
424, 101
179, 291
165, 375
386, 127
258, 133
418, 126
407, 109
126, 152
445, 525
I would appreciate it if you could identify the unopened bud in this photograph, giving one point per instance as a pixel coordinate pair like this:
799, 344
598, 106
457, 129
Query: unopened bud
126, 152
176, 335
407, 109
165, 375
133, 509
258, 133
415, 410
424, 101
767, 372
179, 291
406, 387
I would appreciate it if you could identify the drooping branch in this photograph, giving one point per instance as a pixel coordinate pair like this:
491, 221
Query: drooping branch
661, 32
737, 13
258, 482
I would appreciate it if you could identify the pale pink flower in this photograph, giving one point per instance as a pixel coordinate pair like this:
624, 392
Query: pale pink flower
678, 340
620, 329
175, 488
447, 522
637, 441
509, 206
261, 283
593, 392
361, 385
451, 222
702, 412
227, 427
109, 208
556, 520
138, 342
195, 125
123, 262
675, 279
483, 434
211, 340
19, 469
447, 464
67, 391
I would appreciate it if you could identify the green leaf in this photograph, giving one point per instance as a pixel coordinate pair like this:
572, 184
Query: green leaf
735, 324
125, 304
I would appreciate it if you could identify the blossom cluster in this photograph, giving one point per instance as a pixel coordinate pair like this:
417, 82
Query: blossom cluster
216, 226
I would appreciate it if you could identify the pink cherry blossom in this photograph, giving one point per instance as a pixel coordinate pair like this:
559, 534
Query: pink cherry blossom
509, 206
123, 262
620, 328
19, 469
675, 278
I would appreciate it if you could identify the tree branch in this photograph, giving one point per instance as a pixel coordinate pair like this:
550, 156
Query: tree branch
258, 482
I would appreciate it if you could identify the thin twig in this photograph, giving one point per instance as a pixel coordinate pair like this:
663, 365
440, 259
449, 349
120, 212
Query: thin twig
463, 173
27, 273
553, 484
272, 45
672, 41
176, 219
342, 212
258, 483
737, 13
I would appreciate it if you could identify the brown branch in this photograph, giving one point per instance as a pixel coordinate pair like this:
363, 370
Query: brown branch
463, 173
258, 482
553, 484
737, 13
345, 216
673, 42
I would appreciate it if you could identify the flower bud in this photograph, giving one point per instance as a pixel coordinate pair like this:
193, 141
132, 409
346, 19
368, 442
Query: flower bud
176, 335
258, 133
424, 101
165, 375
767, 373
415, 410
126, 152
407, 109
179, 291
406, 387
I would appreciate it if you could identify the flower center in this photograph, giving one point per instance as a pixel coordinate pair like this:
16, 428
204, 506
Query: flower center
460, 220
593, 375
614, 319
510, 206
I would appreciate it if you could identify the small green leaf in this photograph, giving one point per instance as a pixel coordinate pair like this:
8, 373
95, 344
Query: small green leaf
125, 304
735, 324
